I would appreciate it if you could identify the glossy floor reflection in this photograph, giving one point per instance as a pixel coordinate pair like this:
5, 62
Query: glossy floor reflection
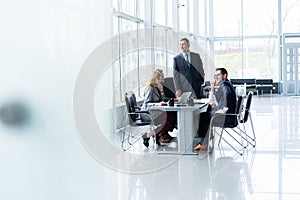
270, 171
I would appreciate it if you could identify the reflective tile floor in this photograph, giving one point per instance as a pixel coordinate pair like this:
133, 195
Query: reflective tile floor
268, 172
56, 165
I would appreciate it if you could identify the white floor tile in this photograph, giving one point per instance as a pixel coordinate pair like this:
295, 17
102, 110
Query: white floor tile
269, 171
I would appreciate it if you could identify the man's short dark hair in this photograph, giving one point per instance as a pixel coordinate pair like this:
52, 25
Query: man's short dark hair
223, 70
185, 39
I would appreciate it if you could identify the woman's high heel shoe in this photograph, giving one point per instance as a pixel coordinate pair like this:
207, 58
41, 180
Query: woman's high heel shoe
145, 140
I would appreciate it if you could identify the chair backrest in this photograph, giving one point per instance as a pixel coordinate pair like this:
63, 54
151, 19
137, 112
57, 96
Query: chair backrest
239, 105
241, 81
264, 81
247, 107
230, 121
169, 87
238, 110
133, 99
130, 101
133, 102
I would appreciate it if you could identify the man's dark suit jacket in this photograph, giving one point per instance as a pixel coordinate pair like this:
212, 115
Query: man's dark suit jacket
188, 79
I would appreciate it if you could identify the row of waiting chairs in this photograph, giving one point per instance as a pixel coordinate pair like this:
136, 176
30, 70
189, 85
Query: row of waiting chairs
254, 85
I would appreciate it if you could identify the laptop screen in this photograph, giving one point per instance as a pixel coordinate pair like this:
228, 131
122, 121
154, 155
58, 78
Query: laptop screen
185, 97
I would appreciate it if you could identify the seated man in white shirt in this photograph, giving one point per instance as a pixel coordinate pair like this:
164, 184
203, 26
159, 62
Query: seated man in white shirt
225, 101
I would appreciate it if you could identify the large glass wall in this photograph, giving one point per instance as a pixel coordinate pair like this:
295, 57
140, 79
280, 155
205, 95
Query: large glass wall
264, 21
241, 35
290, 16
133, 68
227, 18
128, 22
228, 54
247, 46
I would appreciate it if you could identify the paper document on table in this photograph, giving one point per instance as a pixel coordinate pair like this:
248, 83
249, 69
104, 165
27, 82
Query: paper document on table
201, 101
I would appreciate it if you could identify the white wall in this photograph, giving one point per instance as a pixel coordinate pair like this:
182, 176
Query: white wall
43, 44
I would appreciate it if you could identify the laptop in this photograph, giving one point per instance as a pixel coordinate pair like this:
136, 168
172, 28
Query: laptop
184, 97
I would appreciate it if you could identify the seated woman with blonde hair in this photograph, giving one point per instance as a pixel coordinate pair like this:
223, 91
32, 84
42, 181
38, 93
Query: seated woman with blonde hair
153, 93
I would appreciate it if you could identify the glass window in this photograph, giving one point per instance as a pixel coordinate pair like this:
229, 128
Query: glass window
290, 16
128, 7
117, 81
169, 69
251, 56
191, 27
115, 5
163, 12
160, 12
202, 47
183, 15
227, 18
125, 68
264, 21
261, 58
170, 13
228, 54
163, 58
145, 70
160, 59
115, 25
141, 9
202, 18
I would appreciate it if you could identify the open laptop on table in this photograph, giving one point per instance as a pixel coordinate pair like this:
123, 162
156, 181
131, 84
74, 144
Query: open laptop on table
184, 98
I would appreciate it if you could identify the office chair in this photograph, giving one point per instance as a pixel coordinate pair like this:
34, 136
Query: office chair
169, 87
228, 121
134, 119
244, 119
133, 101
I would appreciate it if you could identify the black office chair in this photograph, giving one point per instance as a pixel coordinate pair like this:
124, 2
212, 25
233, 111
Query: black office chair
134, 119
244, 119
228, 121
169, 87
133, 102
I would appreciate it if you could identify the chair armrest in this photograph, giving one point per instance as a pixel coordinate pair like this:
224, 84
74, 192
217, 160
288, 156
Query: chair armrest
222, 119
138, 116
223, 114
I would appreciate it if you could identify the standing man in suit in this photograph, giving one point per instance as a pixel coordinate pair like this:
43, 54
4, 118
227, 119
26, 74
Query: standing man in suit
188, 71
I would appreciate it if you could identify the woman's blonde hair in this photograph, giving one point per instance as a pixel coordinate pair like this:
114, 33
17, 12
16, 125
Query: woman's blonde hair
156, 75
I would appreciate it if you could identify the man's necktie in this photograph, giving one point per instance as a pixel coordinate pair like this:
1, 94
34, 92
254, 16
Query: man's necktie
187, 60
